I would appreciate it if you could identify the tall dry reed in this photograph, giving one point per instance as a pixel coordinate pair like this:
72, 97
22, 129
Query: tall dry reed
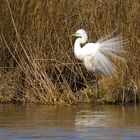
36, 58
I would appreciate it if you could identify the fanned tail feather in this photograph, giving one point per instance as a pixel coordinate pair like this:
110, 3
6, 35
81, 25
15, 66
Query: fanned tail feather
112, 47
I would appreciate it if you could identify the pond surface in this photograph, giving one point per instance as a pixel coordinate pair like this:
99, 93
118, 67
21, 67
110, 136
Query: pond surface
43, 122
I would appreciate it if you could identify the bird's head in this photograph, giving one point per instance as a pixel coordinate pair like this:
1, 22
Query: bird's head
80, 33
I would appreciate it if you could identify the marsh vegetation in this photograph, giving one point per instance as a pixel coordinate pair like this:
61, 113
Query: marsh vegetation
37, 63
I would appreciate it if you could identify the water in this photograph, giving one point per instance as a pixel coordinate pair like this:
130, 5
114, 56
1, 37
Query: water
42, 122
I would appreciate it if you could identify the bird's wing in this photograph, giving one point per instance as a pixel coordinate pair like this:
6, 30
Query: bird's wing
94, 59
95, 55
112, 47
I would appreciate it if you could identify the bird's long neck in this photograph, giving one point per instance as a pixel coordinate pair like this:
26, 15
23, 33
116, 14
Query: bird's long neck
77, 46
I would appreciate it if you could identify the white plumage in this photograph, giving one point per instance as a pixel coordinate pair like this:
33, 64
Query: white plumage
95, 55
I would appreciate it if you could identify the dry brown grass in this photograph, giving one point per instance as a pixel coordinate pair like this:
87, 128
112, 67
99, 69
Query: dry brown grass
36, 58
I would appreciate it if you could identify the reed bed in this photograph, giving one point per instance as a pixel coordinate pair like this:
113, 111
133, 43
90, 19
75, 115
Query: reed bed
37, 64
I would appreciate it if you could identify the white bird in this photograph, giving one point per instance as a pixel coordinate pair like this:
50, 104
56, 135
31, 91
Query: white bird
95, 55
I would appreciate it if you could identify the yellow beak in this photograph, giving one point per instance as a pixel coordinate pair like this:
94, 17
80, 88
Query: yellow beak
75, 34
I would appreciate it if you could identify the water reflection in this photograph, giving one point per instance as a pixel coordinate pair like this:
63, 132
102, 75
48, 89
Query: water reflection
109, 116
41, 122
91, 118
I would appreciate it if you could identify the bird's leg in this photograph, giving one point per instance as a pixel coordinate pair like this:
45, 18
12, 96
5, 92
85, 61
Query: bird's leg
97, 84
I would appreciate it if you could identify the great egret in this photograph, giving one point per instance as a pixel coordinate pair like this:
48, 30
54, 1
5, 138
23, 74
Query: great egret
95, 55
